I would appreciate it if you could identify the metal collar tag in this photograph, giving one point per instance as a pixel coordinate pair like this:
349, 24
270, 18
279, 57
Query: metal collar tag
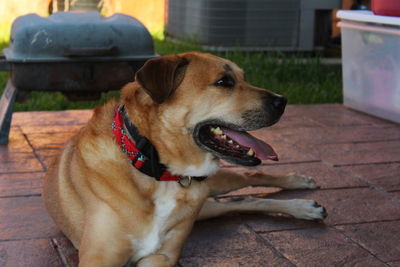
185, 181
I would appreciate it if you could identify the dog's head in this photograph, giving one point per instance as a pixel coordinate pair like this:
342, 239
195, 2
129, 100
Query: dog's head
204, 103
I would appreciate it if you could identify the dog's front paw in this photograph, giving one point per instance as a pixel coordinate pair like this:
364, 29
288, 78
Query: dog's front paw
155, 260
307, 210
298, 181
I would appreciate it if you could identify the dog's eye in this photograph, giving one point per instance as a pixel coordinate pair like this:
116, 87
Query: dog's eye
226, 81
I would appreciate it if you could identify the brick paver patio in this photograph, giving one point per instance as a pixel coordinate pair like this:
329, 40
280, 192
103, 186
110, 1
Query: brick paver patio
354, 157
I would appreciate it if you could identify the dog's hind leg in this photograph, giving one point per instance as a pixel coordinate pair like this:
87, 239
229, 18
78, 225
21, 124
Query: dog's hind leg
298, 208
225, 181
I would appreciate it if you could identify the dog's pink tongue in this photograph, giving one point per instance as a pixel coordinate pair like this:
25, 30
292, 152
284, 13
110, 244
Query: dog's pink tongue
263, 150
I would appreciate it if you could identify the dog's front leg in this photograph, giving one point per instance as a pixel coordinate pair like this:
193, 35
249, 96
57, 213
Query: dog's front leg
103, 253
298, 208
225, 181
103, 244
168, 254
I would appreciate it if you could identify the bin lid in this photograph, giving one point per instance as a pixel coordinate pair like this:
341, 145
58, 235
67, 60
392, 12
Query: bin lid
70, 36
367, 16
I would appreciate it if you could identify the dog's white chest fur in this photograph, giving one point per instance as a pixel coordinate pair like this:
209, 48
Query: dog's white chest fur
165, 202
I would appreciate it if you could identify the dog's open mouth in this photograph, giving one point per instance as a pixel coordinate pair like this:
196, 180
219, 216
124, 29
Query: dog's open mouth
238, 147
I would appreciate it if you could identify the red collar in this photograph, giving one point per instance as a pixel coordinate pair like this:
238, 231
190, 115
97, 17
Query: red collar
141, 152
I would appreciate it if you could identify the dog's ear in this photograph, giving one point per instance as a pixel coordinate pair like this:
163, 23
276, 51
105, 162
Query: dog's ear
160, 76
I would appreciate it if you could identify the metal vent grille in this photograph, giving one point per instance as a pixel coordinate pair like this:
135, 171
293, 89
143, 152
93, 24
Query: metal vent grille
277, 24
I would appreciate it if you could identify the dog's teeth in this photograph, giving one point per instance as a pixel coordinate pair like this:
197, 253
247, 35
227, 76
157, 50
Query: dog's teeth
250, 152
237, 146
218, 131
230, 141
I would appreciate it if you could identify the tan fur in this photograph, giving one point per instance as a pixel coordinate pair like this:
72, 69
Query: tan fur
114, 214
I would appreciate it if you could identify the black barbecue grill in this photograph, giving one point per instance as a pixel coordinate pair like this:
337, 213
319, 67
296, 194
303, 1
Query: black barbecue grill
79, 54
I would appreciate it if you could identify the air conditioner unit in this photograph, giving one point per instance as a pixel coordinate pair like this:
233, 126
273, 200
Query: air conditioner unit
251, 24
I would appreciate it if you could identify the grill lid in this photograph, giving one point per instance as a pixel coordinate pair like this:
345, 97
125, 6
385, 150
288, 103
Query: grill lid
66, 37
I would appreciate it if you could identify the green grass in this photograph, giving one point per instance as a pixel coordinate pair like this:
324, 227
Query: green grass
302, 80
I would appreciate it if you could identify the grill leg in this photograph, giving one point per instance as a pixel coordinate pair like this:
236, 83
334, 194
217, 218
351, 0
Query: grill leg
6, 107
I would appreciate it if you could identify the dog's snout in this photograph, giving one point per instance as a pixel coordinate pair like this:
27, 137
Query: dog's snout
274, 103
279, 103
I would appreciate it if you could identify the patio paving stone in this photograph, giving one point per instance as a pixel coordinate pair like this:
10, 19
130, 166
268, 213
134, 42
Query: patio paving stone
381, 239
229, 243
21, 184
354, 158
17, 142
44, 118
29, 129
335, 115
320, 246
385, 176
335, 135
25, 218
294, 121
19, 162
28, 253
356, 153
395, 194
52, 140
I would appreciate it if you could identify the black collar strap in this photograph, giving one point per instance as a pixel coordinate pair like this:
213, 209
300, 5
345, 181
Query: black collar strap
141, 151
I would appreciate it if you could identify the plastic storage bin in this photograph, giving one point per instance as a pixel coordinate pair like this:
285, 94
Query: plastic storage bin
371, 63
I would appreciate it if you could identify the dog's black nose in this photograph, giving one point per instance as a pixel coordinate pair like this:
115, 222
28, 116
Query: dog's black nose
279, 103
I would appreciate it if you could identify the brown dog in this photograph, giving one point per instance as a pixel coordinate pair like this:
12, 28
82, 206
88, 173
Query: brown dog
129, 186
